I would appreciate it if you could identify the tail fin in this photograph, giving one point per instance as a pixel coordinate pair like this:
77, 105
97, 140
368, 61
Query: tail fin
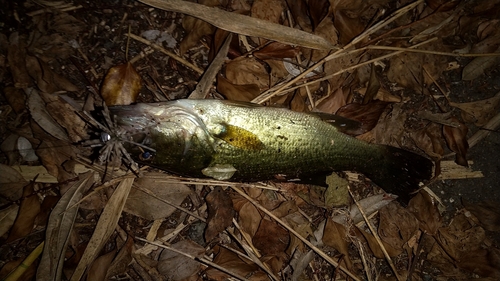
400, 171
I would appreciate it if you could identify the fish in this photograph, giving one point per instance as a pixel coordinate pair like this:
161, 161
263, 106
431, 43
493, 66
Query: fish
239, 141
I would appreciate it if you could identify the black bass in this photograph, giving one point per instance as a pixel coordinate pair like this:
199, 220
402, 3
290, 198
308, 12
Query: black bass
248, 142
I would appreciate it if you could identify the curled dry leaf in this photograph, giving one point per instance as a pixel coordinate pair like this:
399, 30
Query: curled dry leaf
456, 139
16, 56
220, 212
382, 95
121, 85
268, 10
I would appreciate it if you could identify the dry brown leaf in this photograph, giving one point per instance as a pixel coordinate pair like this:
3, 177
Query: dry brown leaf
196, 29
478, 66
429, 140
382, 95
17, 61
11, 184
268, 10
121, 85
375, 247
397, 226
60, 229
276, 50
300, 14
479, 112
332, 102
100, 266
42, 117
65, 115
271, 238
16, 98
348, 24
487, 214
425, 209
53, 155
229, 260
146, 200
47, 80
7, 218
105, 227
336, 236
318, 9
220, 212
28, 210
456, 139
368, 115
247, 70
175, 266
483, 262
122, 259
236, 92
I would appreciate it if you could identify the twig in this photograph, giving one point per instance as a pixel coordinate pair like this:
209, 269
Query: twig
304, 240
166, 52
359, 38
375, 234
200, 260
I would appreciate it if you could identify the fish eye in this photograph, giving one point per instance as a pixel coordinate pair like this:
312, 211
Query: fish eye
146, 156
105, 137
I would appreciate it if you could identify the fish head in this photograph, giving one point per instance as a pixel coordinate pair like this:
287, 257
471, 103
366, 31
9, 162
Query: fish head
163, 135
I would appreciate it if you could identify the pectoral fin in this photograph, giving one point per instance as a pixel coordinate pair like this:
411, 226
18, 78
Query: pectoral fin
220, 171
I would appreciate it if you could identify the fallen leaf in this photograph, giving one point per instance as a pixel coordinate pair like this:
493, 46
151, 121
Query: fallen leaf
479, 112
425, 209
196, 29
276, 50
397, 226
105, 226
146, 200
28, 210
247, 71
456, 139
175, 266
99, 267
486, 212
11, 185
42, 117
220, 212
59, 230
367, 114
271, 238
16, 57
236, 92
47, 80
336, 236
268, 10
121, 85
231, 261
318, 9
7, 218
122, 259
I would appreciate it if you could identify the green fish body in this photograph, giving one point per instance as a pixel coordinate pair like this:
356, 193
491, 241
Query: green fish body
247, 142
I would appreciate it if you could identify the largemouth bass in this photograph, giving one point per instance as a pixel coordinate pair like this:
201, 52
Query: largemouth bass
248, 142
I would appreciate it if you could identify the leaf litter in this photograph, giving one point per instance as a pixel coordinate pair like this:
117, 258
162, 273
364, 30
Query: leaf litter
384, 64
